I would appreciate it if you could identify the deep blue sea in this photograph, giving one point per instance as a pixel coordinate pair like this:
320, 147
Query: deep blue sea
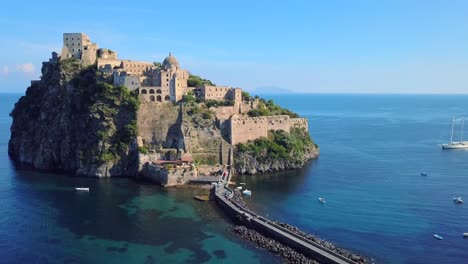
373, 149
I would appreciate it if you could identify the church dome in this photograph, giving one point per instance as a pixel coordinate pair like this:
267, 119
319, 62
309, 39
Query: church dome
170, 62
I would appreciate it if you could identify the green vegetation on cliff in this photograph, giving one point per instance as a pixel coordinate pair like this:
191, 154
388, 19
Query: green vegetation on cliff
72, 120
116, 134
194, 81
114, 106
294, 147
269, 108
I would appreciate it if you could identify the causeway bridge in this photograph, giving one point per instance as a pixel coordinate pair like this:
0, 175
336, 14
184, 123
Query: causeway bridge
223, 197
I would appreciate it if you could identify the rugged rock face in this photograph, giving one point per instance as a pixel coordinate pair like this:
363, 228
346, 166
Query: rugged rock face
281, 151
247, 163
74, 121
70, 121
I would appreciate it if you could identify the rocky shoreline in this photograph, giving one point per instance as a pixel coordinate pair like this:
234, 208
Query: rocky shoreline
287, 254
354, 257
247, 163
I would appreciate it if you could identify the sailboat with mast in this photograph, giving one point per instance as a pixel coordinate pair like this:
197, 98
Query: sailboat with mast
456, 144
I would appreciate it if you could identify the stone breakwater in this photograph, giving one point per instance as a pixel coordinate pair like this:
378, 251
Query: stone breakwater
328, 245
287, 254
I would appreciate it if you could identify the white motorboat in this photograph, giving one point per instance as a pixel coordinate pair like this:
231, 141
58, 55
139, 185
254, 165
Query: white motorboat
84, 189
458, 200
239, 187
465, 234
439, 237
456, 144
247, 192
322, 200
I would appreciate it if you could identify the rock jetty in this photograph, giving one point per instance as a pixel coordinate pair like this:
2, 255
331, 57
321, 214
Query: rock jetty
287, 254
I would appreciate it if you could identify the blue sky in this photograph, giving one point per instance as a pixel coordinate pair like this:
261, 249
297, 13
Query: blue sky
301, 46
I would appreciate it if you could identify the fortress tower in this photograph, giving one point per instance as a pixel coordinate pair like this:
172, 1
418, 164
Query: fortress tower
79, 46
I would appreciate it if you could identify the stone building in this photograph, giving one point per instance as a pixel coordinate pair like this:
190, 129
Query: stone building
221, 93
170, 80
132, 82
79, 46
169, 83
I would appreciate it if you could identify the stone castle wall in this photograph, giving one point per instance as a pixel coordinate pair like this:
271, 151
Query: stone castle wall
300, 123
279, 122
225, 112
243, 128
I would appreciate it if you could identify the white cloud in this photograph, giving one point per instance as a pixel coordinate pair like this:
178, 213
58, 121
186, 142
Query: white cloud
5, 70
27, 68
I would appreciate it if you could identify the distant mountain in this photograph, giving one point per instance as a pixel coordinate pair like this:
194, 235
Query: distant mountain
270, 90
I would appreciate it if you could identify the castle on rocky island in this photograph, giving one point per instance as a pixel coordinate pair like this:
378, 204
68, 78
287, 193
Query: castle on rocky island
168, 82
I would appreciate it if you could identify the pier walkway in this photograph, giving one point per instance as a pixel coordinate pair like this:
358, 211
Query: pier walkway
303, 245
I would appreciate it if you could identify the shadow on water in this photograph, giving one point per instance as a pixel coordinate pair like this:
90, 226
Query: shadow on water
104, 212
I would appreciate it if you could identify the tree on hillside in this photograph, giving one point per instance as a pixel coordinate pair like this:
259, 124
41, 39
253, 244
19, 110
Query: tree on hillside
194, 81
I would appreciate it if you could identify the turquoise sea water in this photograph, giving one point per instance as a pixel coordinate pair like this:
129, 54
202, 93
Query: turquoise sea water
44, 220
373, 148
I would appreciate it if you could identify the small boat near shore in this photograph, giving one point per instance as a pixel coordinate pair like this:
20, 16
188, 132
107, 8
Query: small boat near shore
247, 192
436, 236
458, 200
239, 187
322, 200
83, 189
202, 198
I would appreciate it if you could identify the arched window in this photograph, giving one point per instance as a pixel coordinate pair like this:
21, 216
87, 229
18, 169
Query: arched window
143, 91
167, 98
159, 98
152, 98
158, 91
151, 91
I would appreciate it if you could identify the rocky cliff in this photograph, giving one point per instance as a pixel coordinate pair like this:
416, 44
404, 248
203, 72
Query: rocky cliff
280, 151
72, 121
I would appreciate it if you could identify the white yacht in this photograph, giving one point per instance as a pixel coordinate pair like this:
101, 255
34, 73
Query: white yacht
456, 144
